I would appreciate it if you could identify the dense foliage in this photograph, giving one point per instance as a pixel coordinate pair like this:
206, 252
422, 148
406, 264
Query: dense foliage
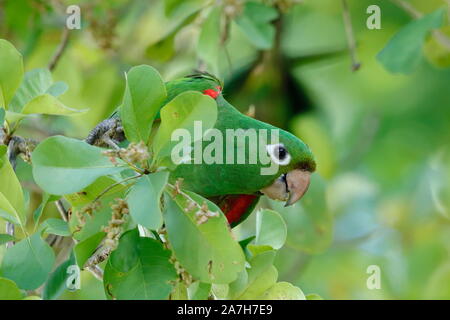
380, 135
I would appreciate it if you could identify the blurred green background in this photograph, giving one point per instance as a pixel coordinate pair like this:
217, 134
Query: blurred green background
381, 139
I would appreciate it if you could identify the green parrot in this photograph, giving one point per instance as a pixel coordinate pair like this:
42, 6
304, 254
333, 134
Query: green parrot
237, 187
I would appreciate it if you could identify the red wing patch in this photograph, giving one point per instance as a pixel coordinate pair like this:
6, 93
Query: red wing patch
234, 207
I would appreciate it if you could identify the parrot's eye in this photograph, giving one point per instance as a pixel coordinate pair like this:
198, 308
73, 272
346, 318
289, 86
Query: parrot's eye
279, 154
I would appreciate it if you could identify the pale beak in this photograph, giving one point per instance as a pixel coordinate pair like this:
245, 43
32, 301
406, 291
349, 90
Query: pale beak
297, 184
289, 187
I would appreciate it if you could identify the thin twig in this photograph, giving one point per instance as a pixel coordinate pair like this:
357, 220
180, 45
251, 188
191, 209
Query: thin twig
94, 269
350, 36
60, 50
115, 185
408, 8
62, 211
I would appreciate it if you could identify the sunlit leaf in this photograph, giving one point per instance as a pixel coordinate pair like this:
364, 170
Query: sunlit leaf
144, 94
313, 296
9, 290
11, 194
283, 291
199, 291
48, 104
63, 165
35, 83
92, 191
11, 72
270, 229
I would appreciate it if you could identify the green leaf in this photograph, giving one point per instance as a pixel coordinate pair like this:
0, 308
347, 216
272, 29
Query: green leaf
199, 291
181, 113
63, 165
144, 200
35, 83
208, 42
56, 283
179, 292
144, 94
2, 116
139, 269
83, 250
283, 291
217, 257
90, 193
4, 238
48, 104
28, 262
39, 210
9, 290
404, 51
435, 51
95, 222
11, 72
252, 282
255, 23
243, 243
309, 221
11, 194
14, 116
313, 296
237, 287
55, 226
271, 229
173, 7
99, 219
259, 284
163, 50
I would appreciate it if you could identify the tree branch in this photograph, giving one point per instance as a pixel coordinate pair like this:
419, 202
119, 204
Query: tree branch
60, 50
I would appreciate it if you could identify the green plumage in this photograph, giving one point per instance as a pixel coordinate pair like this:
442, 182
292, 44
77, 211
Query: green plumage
219, 179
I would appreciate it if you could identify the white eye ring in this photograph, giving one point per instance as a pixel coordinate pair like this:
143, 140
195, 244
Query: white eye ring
274, 152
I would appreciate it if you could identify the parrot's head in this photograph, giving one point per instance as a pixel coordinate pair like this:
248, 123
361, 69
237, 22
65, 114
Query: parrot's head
295, 163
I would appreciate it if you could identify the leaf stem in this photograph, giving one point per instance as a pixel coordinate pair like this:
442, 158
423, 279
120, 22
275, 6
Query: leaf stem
115, 185
351, 42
